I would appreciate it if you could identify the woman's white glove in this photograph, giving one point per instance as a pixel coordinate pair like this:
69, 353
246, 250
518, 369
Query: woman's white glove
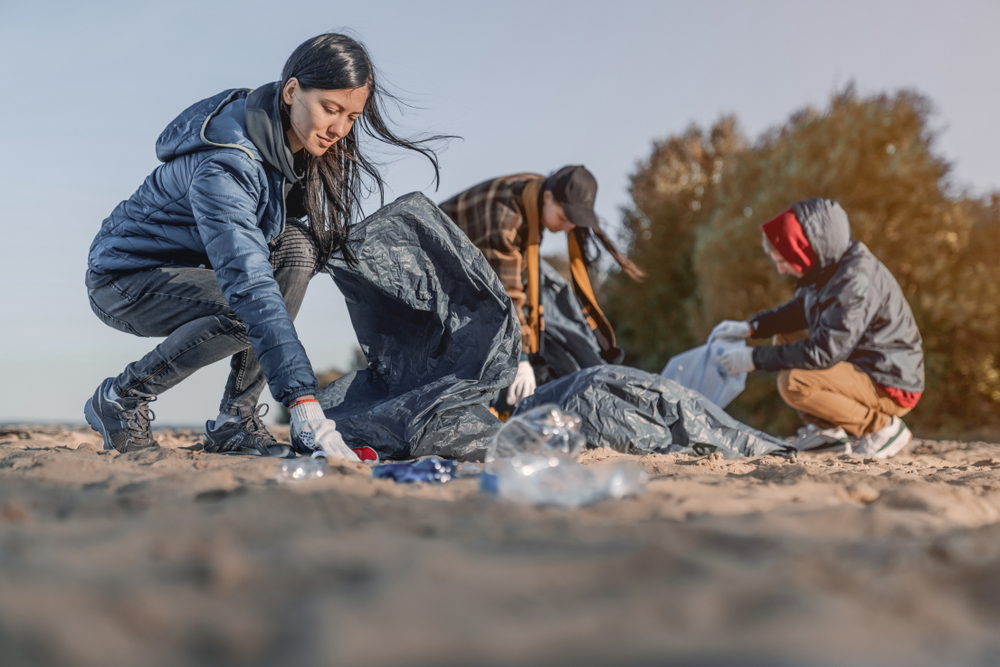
738, 361
524, 383
730, 330
312, 431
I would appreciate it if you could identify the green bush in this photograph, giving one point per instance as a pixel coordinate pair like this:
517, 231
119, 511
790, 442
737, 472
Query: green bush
699, 201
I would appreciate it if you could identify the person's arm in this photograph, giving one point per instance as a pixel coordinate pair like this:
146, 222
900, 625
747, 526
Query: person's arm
786, 318
844, 318
224, 195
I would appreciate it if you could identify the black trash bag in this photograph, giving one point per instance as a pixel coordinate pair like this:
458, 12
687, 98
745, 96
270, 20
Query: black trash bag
439, 332
569, 342
636, 412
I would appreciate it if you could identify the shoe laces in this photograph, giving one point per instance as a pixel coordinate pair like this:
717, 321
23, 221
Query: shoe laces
138, 422
252, 424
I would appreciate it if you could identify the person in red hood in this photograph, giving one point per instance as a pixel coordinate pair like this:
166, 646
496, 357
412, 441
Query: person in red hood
846, 346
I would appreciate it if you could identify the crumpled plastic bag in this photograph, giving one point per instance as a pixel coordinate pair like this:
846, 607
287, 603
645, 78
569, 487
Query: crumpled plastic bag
699, 369
635, 412
439, 332
570, 343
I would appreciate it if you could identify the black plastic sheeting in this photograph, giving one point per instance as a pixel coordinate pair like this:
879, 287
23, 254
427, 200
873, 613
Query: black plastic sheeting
439, 332
636, 412
570, 343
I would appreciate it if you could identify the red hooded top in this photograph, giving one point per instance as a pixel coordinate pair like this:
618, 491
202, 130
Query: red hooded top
786, 235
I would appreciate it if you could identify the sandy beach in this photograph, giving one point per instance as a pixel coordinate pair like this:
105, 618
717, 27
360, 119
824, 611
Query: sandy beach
177, 557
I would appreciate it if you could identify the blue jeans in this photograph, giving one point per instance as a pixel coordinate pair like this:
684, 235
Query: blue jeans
186, 305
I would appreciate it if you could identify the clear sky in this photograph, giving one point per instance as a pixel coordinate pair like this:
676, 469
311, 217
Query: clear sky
530, 86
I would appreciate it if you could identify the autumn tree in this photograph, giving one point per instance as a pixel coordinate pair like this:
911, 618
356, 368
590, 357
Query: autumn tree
875, 157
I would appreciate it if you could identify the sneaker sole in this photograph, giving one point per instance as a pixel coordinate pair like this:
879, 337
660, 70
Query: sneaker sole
274, 451
821, 442
896, 444
96, 424
837, 447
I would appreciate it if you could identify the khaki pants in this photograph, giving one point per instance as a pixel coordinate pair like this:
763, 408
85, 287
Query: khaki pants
837, 396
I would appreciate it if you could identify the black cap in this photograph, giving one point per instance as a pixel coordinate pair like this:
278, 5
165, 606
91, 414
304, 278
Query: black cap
575, 189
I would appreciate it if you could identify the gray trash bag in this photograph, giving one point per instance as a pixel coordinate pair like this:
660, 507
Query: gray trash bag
570, 343
636, 412
439, 332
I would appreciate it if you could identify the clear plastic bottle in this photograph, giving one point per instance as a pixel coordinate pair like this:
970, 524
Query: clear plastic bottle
538, 480
533, 459
301, 468
543, 431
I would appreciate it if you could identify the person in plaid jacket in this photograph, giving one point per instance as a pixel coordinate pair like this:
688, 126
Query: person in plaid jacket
494, 216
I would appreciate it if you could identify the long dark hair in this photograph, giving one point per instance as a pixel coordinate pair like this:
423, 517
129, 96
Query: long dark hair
335, 182
584, 235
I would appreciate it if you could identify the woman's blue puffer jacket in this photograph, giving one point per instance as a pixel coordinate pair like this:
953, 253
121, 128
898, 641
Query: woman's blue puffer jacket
214, 202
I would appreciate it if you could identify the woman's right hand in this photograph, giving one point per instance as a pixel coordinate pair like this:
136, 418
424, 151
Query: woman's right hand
312, 431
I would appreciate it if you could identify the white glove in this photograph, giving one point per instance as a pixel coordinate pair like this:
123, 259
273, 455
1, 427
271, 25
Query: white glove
311, 430
730, 330
524, 383
738, 361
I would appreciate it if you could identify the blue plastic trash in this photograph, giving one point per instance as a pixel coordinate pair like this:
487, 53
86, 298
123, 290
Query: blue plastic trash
433, 470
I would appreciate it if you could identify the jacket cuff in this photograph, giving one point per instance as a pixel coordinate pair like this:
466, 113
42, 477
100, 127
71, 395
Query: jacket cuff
758, 357
297, 393
755, 328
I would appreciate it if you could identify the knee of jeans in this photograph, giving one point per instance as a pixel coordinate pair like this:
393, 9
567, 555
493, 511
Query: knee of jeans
295, 247
791, 387
230, 322
111, 321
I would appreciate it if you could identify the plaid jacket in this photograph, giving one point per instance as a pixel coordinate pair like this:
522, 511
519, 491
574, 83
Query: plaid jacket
491, 214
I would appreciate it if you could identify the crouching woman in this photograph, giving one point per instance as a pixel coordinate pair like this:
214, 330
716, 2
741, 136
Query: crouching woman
213, 252
846, 345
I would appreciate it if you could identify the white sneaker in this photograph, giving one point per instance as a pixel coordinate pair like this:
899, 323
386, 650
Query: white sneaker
813, 438
885, 442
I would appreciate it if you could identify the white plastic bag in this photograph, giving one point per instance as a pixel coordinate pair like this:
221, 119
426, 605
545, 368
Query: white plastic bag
699, 369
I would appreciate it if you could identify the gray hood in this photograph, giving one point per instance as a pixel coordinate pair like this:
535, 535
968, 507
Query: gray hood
267, 131
826, 226
216, 122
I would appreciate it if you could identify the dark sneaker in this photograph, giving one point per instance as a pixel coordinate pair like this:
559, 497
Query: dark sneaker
125, 423
244, 436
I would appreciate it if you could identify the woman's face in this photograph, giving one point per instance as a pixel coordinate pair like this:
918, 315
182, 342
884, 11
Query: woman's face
320, 118
782, 264
553, 216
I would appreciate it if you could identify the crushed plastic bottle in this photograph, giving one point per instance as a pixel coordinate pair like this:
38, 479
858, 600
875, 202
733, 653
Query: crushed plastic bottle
301, 468
543, 431
533, 459
432, 469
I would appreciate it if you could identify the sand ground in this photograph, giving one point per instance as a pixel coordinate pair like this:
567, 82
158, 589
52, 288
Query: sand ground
177, 557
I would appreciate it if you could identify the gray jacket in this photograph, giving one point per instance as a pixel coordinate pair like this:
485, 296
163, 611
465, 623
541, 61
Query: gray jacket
852, 306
